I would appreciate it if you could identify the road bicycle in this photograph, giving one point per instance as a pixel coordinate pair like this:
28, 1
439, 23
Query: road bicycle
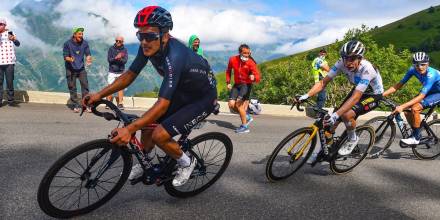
385, 128
89, 175
295, 149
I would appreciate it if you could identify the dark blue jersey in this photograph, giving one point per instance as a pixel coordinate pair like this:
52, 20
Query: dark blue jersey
183, 71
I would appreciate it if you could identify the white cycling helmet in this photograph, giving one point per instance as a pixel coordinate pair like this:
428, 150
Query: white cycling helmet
420, 57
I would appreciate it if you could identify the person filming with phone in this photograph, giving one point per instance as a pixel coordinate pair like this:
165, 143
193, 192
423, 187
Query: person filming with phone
8, 42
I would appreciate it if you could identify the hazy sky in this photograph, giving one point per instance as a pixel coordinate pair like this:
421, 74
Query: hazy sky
222, 24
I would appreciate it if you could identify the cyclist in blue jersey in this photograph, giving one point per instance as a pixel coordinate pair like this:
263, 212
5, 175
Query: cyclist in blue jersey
429, 94
187, 95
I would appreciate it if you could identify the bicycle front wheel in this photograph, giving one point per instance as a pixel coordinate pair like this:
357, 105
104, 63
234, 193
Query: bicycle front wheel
343, 164
83, 179
430, 150
290, 154
385, 134
213, 152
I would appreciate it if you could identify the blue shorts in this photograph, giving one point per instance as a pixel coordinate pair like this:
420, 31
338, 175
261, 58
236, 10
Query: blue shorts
185, 111
431, 100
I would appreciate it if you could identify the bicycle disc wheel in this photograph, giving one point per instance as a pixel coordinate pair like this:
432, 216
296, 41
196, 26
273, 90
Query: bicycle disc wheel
83, 179
290, 154
213, 152
385, 134
343, 164
432, 150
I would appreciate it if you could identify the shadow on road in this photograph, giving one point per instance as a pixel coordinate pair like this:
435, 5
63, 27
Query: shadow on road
223, 124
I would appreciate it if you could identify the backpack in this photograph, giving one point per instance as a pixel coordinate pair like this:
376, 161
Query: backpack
254, 107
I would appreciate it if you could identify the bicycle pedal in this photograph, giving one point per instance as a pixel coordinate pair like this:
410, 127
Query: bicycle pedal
136, 181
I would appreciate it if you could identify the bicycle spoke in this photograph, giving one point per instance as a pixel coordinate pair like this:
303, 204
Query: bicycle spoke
102, 187
67, 177
67, 168
68, 197
80, 164
68, 184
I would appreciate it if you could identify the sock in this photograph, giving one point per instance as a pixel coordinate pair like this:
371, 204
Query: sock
184, 160
416, 133
351, 135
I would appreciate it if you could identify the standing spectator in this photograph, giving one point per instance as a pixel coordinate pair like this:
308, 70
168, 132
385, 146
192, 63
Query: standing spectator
194, 44
74, 51
7, 61
320, 69
245, 73
117, 58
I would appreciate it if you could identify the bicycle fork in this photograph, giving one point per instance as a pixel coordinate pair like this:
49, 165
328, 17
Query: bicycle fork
302, 149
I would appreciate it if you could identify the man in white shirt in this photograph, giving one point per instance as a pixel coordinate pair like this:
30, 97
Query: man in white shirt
8, 42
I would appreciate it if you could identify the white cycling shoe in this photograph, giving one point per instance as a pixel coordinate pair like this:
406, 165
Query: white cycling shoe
348, 147
410, 141
136, 172
183, 173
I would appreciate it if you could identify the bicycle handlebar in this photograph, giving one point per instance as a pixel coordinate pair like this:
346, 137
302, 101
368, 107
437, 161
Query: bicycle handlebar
107, 115
297, 103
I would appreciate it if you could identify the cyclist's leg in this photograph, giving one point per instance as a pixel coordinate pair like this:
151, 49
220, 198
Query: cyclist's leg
366, 104
181, 122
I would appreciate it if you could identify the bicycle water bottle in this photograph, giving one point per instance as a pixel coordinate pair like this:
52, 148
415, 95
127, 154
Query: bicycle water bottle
399, 121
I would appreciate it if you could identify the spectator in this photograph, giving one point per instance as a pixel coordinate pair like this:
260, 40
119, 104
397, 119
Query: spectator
320, 69
194, 44
74, 51
7, 61
117, 58
245, 74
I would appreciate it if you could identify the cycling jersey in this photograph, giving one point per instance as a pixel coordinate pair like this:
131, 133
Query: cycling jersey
187, 83
242, 70
182, 70
430, 80
365, 76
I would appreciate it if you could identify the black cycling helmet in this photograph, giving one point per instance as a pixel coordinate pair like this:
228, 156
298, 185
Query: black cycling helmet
420, 57
154, 16
352, 48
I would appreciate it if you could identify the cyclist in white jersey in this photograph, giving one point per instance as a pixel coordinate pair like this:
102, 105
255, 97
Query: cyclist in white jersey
363, 98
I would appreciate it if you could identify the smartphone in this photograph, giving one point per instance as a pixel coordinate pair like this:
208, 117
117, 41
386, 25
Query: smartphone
10, 33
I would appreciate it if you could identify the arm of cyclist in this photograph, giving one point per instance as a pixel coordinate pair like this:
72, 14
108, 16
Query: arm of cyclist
318, 87
393, 89
119, 84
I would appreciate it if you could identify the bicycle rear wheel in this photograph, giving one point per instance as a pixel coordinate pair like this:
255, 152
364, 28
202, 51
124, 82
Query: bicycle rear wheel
432, 150
213, 152
343, 164
385, 134
83, 179
290, 154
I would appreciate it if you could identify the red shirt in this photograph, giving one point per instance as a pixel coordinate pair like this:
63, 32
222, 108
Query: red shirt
242, 70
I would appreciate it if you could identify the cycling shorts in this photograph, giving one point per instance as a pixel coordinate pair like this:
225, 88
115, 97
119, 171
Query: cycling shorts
182, 116
240, 92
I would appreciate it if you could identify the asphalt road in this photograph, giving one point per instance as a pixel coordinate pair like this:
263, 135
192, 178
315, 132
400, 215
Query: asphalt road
33, 136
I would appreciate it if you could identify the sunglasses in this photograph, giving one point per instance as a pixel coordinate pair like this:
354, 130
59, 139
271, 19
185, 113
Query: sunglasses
350, 59
118, 41
1, 24
420, 64
149, 36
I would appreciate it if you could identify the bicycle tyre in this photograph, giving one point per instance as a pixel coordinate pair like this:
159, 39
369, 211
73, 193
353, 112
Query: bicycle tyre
335, 168
270, 175
381, 144
211, 136
418, 151
43, 195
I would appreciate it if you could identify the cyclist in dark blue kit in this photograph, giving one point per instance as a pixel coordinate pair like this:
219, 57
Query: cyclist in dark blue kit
187, 94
